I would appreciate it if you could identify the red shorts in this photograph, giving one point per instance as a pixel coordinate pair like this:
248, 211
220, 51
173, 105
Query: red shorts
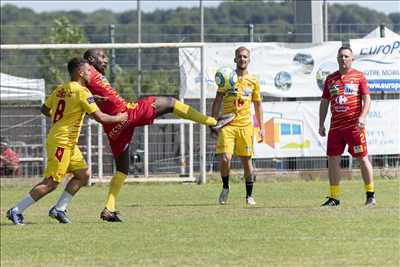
353, 137
140, 113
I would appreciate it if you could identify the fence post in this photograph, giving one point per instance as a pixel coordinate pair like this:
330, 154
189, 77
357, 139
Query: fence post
251, 32
382, 30
112, 56
89, 148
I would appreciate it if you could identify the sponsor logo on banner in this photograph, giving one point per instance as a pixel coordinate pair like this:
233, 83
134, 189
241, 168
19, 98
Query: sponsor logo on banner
351, 89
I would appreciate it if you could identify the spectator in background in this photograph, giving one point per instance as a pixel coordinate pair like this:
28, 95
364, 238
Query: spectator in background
9, 160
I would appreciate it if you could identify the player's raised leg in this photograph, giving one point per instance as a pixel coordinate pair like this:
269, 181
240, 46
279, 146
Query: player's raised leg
171, 105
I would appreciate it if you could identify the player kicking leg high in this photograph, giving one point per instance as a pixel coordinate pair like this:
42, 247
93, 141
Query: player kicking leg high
141, 112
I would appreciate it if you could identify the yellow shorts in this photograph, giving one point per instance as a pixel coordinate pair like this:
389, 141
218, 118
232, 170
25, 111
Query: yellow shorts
63, 160
236, 140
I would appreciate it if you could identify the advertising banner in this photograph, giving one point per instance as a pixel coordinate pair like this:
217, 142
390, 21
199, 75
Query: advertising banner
284, 70
294, 70
379, 59
292, 129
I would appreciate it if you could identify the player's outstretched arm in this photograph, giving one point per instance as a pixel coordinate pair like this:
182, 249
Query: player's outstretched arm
104, 118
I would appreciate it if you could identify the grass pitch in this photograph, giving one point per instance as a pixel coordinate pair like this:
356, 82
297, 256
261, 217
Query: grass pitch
182, 225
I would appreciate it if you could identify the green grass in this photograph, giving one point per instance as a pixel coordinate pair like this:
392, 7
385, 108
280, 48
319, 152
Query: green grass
181, 225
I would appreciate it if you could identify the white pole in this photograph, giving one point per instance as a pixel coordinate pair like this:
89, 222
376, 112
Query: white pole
89, 148
182, 146
317, 22
203, 156
146, 151
326, 21
191, 150
44, 130
100, 150
99, 45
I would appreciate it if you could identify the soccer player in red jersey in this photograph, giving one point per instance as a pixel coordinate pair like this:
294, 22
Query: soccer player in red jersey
346, 90
141, 112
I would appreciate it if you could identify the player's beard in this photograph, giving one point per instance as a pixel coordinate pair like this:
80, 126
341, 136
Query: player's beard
241, 68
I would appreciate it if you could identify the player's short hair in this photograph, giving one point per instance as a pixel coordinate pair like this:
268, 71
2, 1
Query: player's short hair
74, 64
241, 48
345, 47
90, 53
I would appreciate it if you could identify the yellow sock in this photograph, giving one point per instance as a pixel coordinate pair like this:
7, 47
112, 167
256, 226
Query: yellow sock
187, 112
335, 191
369, 188
115, 186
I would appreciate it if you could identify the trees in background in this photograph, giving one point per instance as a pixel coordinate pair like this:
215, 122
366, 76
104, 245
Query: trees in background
228, 22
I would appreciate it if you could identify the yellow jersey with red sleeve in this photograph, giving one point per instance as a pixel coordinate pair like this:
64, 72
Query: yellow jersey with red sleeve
68, 104
239, 98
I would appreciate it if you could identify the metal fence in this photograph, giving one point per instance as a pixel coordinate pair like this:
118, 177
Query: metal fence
20, 123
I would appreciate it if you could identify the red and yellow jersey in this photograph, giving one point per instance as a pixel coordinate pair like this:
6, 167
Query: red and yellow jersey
99, 85
68, 104
239, 98
345, 95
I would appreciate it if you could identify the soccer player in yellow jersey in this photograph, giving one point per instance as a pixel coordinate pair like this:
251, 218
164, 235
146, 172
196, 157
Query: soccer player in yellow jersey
237, 137
66, 106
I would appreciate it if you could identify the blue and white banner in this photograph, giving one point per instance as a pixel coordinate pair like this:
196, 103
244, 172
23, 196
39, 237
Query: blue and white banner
292, 129
283, 69
379, 59
293, 70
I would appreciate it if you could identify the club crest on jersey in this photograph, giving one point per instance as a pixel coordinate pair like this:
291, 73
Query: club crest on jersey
247, 92
351, 89
334, 89
90, 100
59, 153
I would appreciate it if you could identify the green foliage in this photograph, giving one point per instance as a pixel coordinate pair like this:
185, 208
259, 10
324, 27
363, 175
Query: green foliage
273, 22
124, 82
54, 63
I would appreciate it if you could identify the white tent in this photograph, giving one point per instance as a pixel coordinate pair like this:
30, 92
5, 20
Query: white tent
377, 33
13, 88
18, 88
